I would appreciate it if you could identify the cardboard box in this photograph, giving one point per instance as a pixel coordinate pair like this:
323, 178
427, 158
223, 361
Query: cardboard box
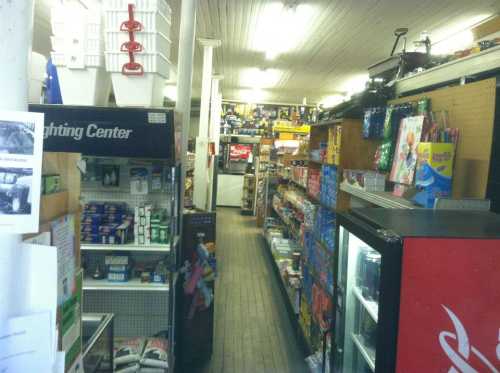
434, 172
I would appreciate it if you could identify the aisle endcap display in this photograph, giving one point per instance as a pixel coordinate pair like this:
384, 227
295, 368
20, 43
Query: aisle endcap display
123, 173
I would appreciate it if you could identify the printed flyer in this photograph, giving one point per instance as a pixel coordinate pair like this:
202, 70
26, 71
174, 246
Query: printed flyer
21, 148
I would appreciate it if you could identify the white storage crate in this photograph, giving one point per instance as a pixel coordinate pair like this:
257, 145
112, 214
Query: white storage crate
64, 18
141, 5
90, 60
151, 62
152, 42
92, 46
145, 90
90, 86
151, 21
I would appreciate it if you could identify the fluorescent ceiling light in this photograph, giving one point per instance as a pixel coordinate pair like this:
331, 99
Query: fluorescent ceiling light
460, 41
456, 36
355, 84
253, 95
332, 101
281, 28
257, 78
170, 92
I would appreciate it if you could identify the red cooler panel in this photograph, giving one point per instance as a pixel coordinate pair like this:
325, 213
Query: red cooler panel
450, 306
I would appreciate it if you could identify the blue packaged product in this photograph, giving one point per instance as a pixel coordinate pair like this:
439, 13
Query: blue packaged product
113, 218
108, 229
93, 208
107, 239
93, 219
90, 238
89, 228
115, 208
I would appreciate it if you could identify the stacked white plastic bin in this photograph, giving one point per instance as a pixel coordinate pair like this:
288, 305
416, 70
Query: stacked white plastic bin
78, 53
137, 38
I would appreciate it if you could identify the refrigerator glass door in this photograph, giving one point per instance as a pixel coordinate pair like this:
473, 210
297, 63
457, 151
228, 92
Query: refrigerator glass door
358, 295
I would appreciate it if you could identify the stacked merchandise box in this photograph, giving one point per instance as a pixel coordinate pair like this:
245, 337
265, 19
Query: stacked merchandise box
324, 228
142, 226
106, 223
322, 307
328, 194
334, 145
314, 183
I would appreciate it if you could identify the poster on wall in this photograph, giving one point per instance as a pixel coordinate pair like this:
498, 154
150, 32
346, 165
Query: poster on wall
405, 156
21, 148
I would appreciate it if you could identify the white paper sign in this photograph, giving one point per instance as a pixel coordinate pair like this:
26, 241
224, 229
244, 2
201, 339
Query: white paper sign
23, 344
21, 148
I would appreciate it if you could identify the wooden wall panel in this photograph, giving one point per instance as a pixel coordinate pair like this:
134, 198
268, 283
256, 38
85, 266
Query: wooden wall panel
471, 109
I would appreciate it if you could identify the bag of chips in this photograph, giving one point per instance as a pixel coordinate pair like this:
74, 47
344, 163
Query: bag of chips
128, 368
129, 352
155, 354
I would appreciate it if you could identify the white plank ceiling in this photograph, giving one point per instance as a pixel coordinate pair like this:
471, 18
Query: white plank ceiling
339, 39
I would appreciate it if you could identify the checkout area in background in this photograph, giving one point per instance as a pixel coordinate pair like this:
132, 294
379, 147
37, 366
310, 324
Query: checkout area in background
237, 154
244, 127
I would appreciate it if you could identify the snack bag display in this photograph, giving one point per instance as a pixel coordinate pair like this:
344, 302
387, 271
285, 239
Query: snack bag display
155, 354
434, 172
128, 354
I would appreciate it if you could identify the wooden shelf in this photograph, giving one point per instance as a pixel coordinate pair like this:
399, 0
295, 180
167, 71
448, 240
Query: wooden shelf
53, 206
328, 123
471, 108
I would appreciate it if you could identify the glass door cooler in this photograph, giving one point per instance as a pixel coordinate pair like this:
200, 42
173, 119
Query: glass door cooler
417, 291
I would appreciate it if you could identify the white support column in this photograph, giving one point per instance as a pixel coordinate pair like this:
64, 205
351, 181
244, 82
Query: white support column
215, 112
214, 132
16, 28
201, 182
185, 78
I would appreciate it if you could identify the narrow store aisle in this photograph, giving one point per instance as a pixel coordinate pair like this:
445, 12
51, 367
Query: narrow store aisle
252, 329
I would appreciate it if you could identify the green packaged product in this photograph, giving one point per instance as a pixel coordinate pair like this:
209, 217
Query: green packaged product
155, 233
423, 106
52, 184
384, 155
388, 123
164, 234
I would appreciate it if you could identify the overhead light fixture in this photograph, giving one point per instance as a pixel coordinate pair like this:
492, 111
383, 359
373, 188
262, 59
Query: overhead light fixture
456, 36
332, 101
355, 84
253, 96
259, 78
281, 27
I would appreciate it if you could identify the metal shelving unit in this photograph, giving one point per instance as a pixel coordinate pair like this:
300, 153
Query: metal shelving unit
134, 284
367, 355
127, 247
381, 199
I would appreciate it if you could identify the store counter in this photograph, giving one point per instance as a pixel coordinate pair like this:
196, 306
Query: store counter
97, 341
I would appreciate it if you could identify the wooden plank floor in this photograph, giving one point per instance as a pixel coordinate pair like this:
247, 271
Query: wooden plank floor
252, 330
